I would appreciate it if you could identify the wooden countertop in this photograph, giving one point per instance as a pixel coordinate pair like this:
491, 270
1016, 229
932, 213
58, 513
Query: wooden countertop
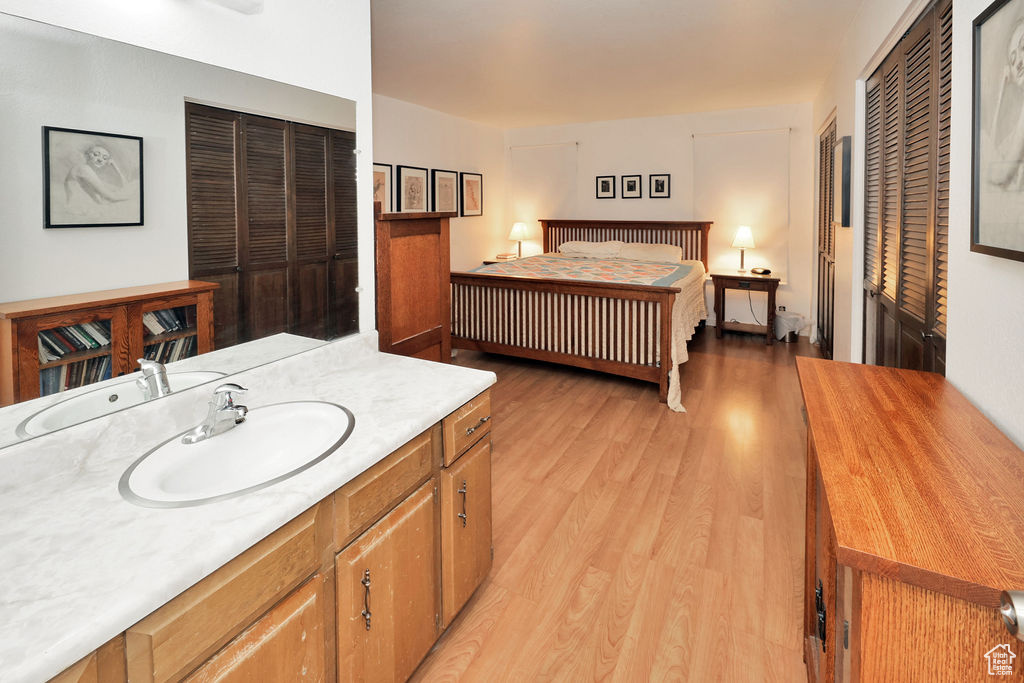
920, 485
109, 297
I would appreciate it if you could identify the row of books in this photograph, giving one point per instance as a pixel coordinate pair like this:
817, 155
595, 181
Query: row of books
55, 343
169, 320
72, 375
172, 350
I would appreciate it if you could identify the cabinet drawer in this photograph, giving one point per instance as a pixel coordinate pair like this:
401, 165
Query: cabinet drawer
466, 426
363, 501
171, 642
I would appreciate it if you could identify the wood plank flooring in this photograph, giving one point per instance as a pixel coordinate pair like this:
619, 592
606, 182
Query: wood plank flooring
632, 543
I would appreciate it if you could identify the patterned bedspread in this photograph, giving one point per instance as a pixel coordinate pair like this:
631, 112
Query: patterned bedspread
625, 271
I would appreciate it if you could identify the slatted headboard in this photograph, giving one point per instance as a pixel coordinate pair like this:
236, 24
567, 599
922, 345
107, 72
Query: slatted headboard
692, 236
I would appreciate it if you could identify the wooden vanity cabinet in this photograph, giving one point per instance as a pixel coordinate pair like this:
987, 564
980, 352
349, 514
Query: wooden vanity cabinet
389, 593
105, 665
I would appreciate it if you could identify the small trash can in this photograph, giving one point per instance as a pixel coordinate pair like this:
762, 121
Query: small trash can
788, 326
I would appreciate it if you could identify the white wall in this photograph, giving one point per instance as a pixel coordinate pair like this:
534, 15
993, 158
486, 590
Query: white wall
665, 144
319, 44
409, 135
986, 316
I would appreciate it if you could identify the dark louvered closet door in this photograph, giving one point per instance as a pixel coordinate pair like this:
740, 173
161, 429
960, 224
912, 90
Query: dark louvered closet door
213, 212
907, 198
344, 246
312, 218
826, 240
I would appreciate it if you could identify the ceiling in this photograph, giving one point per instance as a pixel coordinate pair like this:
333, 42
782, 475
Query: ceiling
513, 63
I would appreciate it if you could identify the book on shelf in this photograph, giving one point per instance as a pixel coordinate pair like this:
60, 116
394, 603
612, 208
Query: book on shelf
171, 350
60, 341
169, 320
73, 375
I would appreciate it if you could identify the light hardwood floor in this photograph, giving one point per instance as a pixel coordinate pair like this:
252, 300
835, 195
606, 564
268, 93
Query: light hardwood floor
632, 543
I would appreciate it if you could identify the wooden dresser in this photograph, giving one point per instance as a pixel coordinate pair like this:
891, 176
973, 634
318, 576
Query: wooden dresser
413, 316
915, 524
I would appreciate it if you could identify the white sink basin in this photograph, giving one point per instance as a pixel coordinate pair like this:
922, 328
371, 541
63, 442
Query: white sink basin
102, 401
274, 443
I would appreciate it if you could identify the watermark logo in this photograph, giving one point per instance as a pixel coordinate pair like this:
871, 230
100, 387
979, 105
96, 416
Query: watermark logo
1000, 660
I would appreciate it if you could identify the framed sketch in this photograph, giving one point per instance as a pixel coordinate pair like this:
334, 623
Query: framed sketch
472, 195
412, 189
382, 186
631, 187
91, 179
997, 218
605, 187
445, 196
660, 186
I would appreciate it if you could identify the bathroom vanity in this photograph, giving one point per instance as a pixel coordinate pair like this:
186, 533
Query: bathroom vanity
348, 570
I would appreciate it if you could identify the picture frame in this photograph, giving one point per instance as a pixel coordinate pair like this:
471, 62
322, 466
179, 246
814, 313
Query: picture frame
632, 187
659, 186
604, 187
997, 173
92, 179
413, 190
471, 194
444, 194
841, 182
383, 187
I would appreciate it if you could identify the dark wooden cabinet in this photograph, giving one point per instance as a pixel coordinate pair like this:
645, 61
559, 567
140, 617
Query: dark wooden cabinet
272, 219
413, 316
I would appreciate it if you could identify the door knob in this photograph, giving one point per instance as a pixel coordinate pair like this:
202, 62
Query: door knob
1011, 607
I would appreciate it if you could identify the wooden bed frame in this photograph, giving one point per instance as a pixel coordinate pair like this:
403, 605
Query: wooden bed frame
535, 317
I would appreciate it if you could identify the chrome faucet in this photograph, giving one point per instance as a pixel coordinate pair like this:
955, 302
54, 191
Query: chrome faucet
153, 381
223, 415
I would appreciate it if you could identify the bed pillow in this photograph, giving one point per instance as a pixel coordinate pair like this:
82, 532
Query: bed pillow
609, 249
662, 253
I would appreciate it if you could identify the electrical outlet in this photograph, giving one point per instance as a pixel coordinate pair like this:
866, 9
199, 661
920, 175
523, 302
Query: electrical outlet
782, 309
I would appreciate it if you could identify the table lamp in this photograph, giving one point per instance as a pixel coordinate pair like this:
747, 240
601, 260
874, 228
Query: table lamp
744, 240
519, 233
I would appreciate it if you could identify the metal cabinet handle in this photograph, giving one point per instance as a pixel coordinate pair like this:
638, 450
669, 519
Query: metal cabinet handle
483, 420
462, 515
926, 335
366, 597
1010, 605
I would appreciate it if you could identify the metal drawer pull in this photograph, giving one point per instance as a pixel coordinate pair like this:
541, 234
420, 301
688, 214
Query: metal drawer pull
462, 515
470, 430
1011, 603
366, 598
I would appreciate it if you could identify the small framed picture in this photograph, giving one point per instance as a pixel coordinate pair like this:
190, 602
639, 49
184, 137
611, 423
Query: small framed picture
412, 189
445, 195
631, 187
660, 186
472, 195
605, 187
91, 179
382, 186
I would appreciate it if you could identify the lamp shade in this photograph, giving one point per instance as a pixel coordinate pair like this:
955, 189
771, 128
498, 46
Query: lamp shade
519, 232
744, 238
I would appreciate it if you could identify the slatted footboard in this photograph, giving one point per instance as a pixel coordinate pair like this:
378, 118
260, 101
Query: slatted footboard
614, 328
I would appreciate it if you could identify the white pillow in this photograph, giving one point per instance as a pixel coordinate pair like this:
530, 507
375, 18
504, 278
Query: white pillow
609, 249
662, 253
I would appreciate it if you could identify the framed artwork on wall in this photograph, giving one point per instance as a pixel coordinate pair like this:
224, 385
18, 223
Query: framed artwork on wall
91, 179
471, 199
631, 187
412, 189
660, 186
382, 186
445, 195
997, 206
605, 187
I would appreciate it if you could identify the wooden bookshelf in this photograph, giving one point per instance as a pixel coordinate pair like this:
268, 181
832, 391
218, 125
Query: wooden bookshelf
122, 309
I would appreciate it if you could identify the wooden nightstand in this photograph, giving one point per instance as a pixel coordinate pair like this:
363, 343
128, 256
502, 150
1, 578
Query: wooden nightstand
750, 283
491, 261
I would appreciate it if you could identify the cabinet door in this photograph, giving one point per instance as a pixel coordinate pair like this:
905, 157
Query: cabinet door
388, 597
287, 644
465, 527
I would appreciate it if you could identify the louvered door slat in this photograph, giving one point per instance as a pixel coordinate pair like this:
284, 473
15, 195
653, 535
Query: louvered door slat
872, 183
265, 190
891, 181
944, 100
212, 206
310, 193
345, 210
917, 192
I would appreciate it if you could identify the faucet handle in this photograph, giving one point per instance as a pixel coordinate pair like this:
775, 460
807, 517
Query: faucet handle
224, 395
149, 367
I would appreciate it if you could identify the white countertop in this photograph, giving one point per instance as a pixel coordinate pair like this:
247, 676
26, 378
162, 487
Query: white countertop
228, 360
80, 565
